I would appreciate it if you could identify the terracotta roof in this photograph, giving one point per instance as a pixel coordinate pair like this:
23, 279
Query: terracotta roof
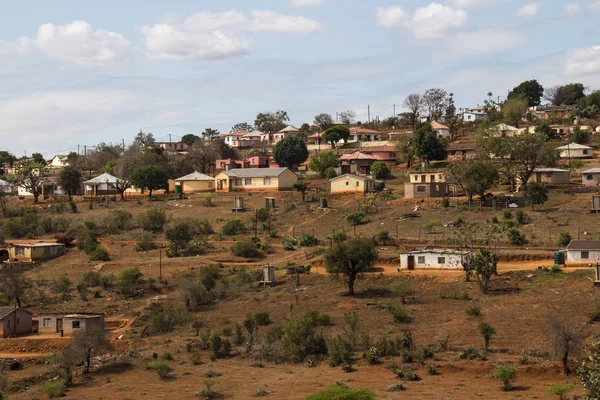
358, 156
316, 135
437, 125
584, 245
364, 130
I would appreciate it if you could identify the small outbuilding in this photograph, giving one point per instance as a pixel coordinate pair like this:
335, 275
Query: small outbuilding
441, 129
435, 259
591, 177
105, 184
575, 150
14, 321
553, 176
349, 183
583, 251
69, 323
35, 251
196, 182
256, 180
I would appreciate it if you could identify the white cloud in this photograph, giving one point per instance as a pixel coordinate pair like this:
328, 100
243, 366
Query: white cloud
484, 42
433, 21
529, 10
390, 16
470, 3
595, 5
583, 61
76, 43
307, 3
217, 36
573, 9
274, 22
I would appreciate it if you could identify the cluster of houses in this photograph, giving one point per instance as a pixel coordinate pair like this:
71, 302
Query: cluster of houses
18, 321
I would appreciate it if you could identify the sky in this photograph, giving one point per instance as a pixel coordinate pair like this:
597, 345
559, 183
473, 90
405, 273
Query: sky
78, 72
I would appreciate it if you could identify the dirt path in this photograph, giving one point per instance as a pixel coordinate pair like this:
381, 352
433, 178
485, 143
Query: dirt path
23, 355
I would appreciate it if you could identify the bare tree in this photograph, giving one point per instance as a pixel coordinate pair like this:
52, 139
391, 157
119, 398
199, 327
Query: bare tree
566, 338
413, 103
89, 340
323, 121
434, 103
13, 282
347, 117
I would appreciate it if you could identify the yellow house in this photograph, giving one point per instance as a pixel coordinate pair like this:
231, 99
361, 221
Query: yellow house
351, 184
196, 182
255, 180
33, 252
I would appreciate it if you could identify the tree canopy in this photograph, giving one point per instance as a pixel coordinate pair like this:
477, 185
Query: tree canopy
190, 139
271, 121
514, 110
290, 152
434, 102
323, 121
536, 193
210, 133
323, 162
350, 258
427, 144
69, 179
335, 134
413, 103
32, 176
531, 91
569, 94
150, 177
242, 126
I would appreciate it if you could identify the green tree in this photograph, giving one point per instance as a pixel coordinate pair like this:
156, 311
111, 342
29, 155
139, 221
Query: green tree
242, 126
323, 121
301, 187
564, 238
323, 162
487, 332
506, 375
351, 258
569, 94
479, 177
335, 134
579, 136
304, 132
536, 193
560, 391
482, 267
69, 179
531, 91
451, 108
434, 102
290, 152
210, 133
427, 144
179, 235
528, 151
380, 170
270, 122
514, 110
150, 177
589, 372
190, 139
32, 176
6, 160
38, 158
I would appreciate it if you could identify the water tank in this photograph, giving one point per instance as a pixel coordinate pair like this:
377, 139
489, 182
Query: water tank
323, 202
559, 258
178, 189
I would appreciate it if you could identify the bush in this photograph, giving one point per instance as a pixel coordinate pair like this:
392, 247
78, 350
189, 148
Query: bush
330, 173
506, 374
152, 220
146, 243
403, 289
99, 254
560, 390
522, 217
289, 243
432, 370
474, 311
339, 236
380, 170
57, 388
355, 218
263, 214
262, 318
400, 315
445, 202
129, 281
516, 238
318, 319
91, 279
507, 214
429, 225
233, 227
299, 339
339, 352
117, 221
161, 367
208, 200
342, 393
195, 294
308, 241
564, 238
246, 248
382, 237
471, 354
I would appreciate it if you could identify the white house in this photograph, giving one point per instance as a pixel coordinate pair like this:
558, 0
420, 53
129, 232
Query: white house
591, 177
58, 161
435, 259
503, 130
441, 129
575, 150
583, 251
555, 176
285, 132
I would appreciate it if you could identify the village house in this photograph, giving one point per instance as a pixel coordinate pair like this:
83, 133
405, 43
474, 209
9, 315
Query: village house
32, 252
5, 187
575, 150
256, 180
474, 114
104, 184
259, 162
435, 259
553, 176
196, 182
68, 324
503, 130
285, 132
230, 163
591, 177
583, 251
386, 153
173, 147
14, 321
349, 183
426, 184
358, 134
49, 188
58, 161
461, 151
441, 129
357, 163
243, 139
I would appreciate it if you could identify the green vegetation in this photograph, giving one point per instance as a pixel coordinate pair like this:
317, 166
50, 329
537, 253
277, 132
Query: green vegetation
55, 389
506, 375
233, 227
342, 393
350, 258
380, 170
161, 367
246, 248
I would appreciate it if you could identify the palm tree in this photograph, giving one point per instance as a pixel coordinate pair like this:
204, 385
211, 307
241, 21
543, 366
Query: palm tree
490, 94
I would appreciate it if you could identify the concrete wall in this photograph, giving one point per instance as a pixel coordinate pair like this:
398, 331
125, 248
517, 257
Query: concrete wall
430, 261
577, 153
48, 324
575, 256
197, 186
351, 184
590, 179
28, 254
285, 181
425, 177
84, 323
556, 178
422, 190
23, 324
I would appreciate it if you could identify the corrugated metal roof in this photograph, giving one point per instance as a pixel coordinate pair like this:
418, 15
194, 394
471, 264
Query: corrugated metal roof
550, 170
4, 311
104, 178
439, 251
195, 176
592, 171
254, 172
584, 245
573, 146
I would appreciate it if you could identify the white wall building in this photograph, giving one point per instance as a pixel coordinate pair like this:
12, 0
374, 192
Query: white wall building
575, 150
441, 129
583, 251
435, 259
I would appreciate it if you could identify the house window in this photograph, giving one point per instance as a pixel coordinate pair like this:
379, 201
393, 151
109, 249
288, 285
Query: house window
347, 183
585, 152
75, 324
441, 260
248, 181
267, 181
357, 184
585, 255
421, 189
46, 322
589, 177
20, 251
392, 155
548, 174
421, 260
223, 164
238, 182
210, 184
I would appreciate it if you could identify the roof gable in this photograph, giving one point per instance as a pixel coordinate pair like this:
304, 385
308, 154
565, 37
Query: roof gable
196, 176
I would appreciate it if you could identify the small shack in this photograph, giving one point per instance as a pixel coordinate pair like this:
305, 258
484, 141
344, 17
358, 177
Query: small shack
69, 323
591, 177
104, 184
575, 150
32, 252
553, 176
583, 251
14, 321
435, 259
349, 183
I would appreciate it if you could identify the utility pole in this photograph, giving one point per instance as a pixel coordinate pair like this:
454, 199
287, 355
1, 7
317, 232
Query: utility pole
369, 112
169, 138
77, 150
255, 223
123, 141
394, 111
84, 150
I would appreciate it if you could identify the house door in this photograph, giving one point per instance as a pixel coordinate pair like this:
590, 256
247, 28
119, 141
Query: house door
59, 325
411, 263
538, 177
219, 184
345, 169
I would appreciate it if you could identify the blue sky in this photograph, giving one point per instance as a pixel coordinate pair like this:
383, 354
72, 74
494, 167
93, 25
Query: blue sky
78, 72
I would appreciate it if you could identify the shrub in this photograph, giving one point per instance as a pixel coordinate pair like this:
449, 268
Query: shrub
445, 202
262, 214
471, 354
560, 390
299, 339
195, 294
432, 370
233, 227
308, 241
507, 214
487, 332
324, 320
146, 243
380, 170
246, 248
57, 388
161, 367
342, 393
506, 374
208, 200
91, 279
564, 238
262, 318
99, 254
355, 218
62, 285
403, 289
117, 221
318, 319
474, 311
516, 238
129, 281
73, 207
397, 388
152, 220
429, 225
339, 352
330, 173
339, 236
289, 243
400, 315
522, 217
382, 237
